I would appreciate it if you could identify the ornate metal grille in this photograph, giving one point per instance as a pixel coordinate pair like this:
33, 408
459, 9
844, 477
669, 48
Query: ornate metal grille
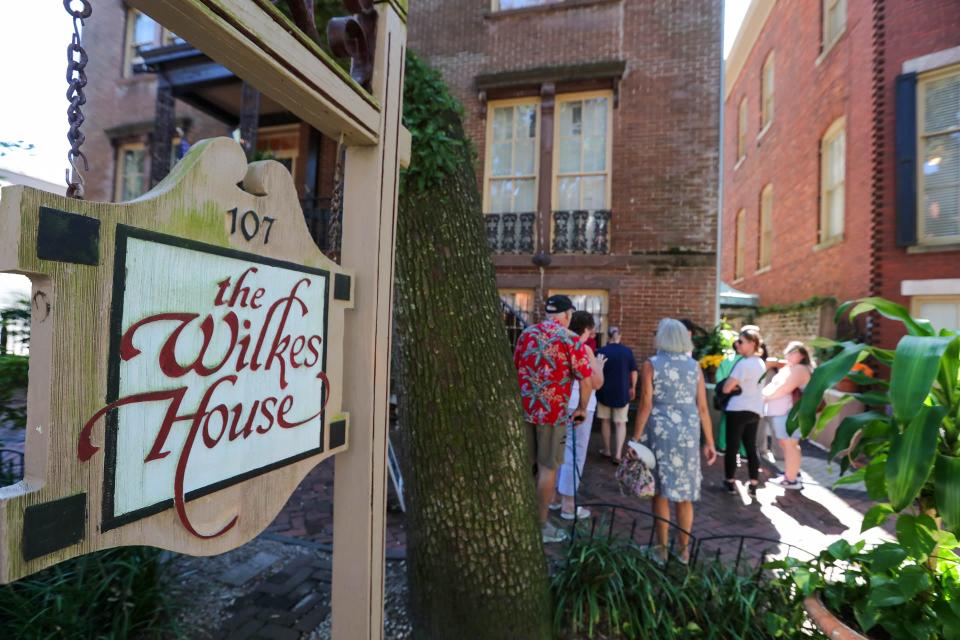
511, 232
581, 231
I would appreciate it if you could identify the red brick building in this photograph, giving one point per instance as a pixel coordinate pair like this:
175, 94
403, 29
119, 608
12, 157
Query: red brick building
841, 155
596, 123
597, 127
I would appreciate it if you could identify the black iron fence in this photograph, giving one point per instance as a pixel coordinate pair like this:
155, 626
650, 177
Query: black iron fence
511, 232
581, 231
515, 321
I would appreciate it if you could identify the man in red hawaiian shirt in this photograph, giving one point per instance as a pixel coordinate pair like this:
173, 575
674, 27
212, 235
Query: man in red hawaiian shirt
549, 358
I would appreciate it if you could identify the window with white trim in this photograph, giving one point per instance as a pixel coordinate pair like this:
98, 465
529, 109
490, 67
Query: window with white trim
833, 150
742, 129
943, 312
938, 148
592, 300
766, 93
582, 141
834, 21
131, 175
740, 245
512, 156
766, 228
143, 31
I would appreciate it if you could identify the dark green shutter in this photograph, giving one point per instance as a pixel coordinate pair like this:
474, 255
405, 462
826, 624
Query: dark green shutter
906, 157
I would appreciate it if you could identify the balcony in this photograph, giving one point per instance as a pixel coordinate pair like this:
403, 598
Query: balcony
511, 232
581, 232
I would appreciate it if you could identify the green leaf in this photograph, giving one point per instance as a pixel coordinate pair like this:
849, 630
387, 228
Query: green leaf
840, 549
873, 398
875, 478
946, 490
915, 367
886, 557
876, 516
866, 615
950, 372
912, 455
889, 310
854, 478
917, 535
849, 427
804, 414
806, 580
885, 595
830, 412
913, 580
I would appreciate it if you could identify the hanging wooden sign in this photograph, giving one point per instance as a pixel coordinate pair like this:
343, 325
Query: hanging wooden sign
185, 365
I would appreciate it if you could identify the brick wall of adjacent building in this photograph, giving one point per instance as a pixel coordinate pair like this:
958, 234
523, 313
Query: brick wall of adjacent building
114, 101
665, 138
809, 96
779, 328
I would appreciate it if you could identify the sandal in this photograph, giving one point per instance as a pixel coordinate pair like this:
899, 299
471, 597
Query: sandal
615, 461
604, 453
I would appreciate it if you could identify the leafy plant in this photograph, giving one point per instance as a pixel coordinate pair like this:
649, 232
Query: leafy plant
611, 588
886, 590
716, 342
912, 452
13, 376
113, 594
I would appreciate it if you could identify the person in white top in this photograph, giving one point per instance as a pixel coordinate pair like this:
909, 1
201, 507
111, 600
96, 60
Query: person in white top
779, 397
578, 433
744, 410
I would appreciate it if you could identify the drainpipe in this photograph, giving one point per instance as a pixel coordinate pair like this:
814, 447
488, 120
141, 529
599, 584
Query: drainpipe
716, 306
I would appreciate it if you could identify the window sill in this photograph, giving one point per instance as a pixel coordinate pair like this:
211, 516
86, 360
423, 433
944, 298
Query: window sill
828, 48
739, 162
934, 248
763, 131
138, 78
760, 272
828, 243
737, 280
543, 8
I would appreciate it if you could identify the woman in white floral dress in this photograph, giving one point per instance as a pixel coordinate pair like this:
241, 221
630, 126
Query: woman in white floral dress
673, 400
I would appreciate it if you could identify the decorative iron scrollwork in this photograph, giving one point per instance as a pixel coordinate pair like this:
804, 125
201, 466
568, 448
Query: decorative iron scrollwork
508, 239
492, 222
601, 223
561, 228
526, 241
355, 37
580, 231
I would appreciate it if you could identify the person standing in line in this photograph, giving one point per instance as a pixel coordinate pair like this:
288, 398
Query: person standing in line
548, 360
582, 326
619, 390
673, 400
723, 370
779, 399
744, 410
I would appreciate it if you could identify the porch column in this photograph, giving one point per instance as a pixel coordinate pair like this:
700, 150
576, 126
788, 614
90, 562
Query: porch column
164, 126
249, 119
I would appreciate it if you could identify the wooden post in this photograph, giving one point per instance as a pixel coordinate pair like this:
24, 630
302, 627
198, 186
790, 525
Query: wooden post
370, 201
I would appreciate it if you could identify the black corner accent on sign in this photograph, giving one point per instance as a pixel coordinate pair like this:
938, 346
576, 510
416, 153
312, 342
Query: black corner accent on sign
68, 237
341, 287
338, 433
55, 525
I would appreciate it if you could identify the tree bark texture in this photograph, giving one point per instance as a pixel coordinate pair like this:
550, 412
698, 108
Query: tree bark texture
476, 564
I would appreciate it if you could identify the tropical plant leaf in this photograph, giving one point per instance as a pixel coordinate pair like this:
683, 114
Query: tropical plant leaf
804, 414
876, 516
913, 580
889, 310
911, 457
886, 557
830, 412
949, 375
849, 428
917, 534
915, 367
946, 490
875, 478
856, 477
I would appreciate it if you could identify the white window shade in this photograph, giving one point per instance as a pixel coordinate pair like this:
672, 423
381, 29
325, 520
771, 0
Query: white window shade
940, 157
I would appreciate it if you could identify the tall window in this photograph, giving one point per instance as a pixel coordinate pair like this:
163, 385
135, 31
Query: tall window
581, 152
142, 31
739, 259
832, 180
834, 21
131, 178
742, 130
766, 93
939, 150
512, 153
766, 227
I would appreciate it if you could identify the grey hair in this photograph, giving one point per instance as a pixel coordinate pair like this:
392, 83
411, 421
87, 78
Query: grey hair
672, 336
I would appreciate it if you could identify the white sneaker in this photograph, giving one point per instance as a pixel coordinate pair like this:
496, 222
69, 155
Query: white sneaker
550, 533
796, 485
553, 506
582, 514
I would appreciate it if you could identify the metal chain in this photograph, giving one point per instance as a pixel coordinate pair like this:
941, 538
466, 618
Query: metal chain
77, 80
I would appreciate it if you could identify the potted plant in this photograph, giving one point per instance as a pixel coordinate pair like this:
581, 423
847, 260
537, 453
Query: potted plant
711, 347
912, 468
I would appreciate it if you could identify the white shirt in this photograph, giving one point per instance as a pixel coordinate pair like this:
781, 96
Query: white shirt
748, 371
575, 398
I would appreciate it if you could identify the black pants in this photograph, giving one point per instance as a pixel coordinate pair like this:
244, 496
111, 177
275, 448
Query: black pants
742, 426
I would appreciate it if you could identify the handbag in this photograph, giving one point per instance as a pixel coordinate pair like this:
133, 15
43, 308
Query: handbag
720, 397
636, 479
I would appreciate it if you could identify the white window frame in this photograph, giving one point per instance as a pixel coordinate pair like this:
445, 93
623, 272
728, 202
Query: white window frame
827, 40
120, 178
765, 235
740, 245
767, 93
917, 301
488, 177
608, 149
922, 82
834, 131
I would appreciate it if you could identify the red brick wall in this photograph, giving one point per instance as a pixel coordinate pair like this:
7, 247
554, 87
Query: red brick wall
808, 97
913, 28
113, 100
665, 138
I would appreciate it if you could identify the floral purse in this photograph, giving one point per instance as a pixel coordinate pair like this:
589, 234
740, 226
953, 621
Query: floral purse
635, 478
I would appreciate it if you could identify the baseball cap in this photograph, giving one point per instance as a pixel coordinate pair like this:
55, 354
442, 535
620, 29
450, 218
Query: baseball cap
612, 331
558, 304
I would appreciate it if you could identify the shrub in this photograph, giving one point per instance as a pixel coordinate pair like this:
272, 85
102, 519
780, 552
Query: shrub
114, 594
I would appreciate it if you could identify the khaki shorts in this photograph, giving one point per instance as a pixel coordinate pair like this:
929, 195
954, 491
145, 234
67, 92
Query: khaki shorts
545, 443
619, 415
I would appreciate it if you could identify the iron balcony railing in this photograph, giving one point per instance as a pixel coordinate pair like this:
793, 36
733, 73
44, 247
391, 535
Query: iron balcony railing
511, 232
581, 231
